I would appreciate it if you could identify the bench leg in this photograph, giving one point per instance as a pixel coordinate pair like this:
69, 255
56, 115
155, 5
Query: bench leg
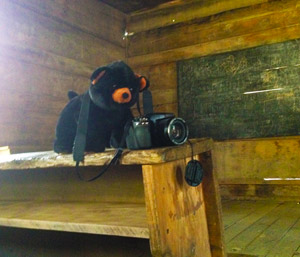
175, 212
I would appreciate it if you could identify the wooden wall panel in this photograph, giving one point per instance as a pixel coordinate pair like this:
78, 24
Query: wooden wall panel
157, 37
46, 49
182, 11
33, 30
168, 34
229, 24
272, 22
259, 168
256, 159
163, 85
95, 18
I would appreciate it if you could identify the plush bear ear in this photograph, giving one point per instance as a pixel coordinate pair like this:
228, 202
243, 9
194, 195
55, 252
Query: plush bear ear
143, 82
98, 74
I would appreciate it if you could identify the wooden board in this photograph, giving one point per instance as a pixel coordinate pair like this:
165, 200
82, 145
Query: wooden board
213, 208
288, 191
174, 211
87, 16
259, 168
227, 24
234, 211
220, 46
272, 235
261, 208
135, 5
249, 161
271, 229
21, 55
151, 156
163, 85
82, 217
37, 31
181, 11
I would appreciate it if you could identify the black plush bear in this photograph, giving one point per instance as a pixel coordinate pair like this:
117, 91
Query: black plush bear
114, 89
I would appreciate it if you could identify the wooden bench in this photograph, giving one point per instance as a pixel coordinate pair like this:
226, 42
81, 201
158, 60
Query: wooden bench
146, 196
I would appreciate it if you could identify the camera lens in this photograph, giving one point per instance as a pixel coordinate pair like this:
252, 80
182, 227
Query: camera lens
177, 131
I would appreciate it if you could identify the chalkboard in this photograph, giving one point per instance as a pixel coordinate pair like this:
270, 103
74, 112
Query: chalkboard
242, 94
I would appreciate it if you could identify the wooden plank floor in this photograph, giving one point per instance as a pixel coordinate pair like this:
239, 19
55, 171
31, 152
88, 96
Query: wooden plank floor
262, 228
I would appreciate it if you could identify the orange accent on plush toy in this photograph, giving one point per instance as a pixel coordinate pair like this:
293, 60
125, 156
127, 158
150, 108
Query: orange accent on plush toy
98, 77
143, 82
122, 95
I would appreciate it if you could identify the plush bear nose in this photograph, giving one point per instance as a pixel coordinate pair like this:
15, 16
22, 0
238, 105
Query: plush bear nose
122, 95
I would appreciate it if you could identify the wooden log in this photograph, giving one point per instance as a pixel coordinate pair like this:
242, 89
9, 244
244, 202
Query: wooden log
31, 103
41, 58
181, 12
161, 77
38, 31
162, 97
229, 24
39, 81
20, 135
171, 108
88, 16
163, 85
270, 36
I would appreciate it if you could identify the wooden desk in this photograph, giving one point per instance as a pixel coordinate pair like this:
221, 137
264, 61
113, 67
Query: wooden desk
145, 196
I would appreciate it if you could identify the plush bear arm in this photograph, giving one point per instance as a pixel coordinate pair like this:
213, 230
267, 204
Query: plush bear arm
66, 127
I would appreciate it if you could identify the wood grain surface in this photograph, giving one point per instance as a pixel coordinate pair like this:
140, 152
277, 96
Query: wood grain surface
182, 11
55, 45
175, 211
241, 21
83, 217
262, 228
151, 156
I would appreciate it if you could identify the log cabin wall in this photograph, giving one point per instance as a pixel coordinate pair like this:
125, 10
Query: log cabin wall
159, 38
46, 49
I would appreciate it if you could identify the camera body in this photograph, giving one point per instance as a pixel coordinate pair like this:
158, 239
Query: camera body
155, 130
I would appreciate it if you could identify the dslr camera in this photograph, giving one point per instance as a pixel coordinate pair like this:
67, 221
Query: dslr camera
155, 130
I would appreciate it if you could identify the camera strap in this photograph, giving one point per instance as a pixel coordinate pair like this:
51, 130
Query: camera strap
80, 139
147, 102
113, 161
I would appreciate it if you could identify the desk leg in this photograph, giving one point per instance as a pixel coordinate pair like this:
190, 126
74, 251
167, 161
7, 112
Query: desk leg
176, 212
213, 206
